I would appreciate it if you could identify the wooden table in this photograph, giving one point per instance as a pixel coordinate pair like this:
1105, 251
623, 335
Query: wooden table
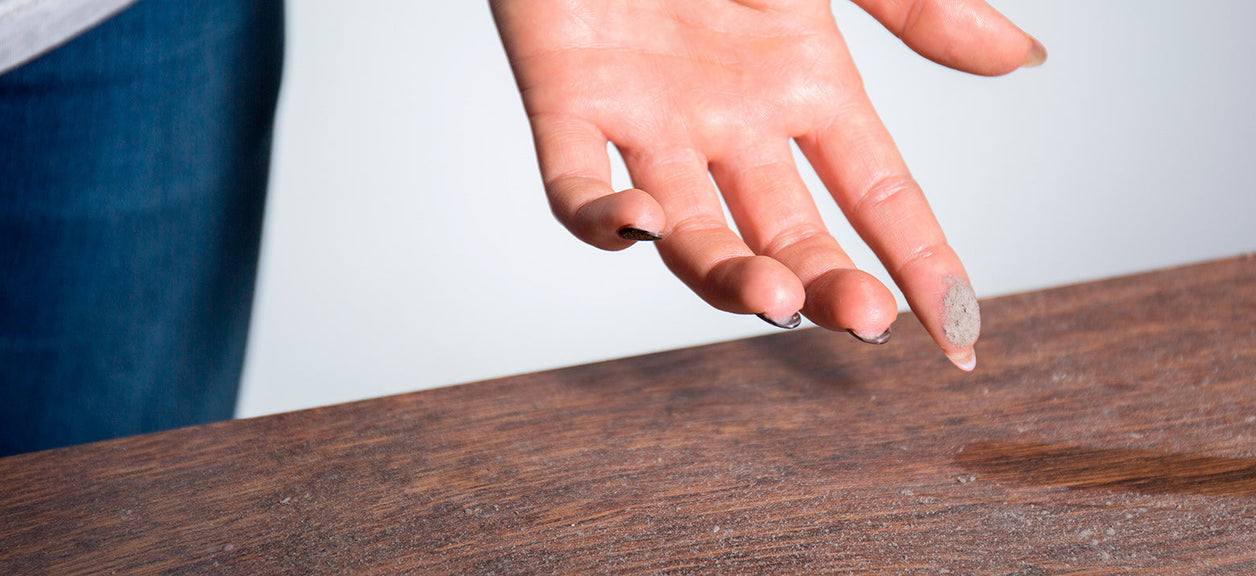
1110, 428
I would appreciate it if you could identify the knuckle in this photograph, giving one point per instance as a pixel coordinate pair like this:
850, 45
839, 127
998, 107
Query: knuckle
696, 224
920, 255
882, 191
791, 237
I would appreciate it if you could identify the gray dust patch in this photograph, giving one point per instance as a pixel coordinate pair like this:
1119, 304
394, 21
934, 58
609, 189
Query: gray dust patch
961, 316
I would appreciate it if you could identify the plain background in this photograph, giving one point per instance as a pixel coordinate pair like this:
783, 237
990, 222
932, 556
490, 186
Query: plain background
408, 243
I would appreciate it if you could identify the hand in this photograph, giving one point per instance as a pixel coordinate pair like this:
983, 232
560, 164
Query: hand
684, 88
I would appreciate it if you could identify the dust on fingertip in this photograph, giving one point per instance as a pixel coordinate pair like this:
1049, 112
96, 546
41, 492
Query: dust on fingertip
961, 315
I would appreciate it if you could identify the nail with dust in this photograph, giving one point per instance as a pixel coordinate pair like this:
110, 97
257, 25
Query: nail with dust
788, 324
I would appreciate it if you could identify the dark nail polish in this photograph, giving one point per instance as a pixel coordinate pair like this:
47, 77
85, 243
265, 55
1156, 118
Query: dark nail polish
881, 338
790, 324
639, 235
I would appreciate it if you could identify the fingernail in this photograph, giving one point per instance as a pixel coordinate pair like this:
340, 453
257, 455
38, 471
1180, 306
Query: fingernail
1037, 54
879, 339
961, 315
639, 235
965, 361
788, 324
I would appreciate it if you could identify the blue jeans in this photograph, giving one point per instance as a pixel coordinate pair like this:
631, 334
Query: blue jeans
133, 168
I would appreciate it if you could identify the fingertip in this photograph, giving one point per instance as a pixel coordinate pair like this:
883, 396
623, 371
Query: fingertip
961, 314
965, 360
757, 285
852, 300
640, 216
772, 289
943, 299
961, 323
873, 307
967, 35
1037, 54
618, 220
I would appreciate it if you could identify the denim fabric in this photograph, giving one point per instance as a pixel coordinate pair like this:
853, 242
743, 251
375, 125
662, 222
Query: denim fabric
133, 168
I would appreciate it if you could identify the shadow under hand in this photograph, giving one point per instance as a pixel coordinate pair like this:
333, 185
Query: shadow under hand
1080, 468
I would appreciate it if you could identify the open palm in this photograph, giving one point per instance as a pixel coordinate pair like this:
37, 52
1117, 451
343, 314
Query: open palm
695, 90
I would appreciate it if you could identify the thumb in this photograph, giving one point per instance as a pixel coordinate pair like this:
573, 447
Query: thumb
967, 35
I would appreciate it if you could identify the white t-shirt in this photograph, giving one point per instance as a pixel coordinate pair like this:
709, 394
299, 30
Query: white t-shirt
29, 28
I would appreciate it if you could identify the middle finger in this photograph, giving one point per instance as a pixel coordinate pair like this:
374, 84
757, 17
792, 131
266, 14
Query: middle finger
777, 217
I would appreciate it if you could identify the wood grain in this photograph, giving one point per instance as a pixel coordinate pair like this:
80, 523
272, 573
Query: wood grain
1109, 429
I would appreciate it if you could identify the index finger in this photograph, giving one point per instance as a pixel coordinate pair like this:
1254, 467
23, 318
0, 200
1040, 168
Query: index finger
858, 162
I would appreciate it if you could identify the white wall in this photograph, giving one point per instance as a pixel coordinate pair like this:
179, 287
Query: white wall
408, 243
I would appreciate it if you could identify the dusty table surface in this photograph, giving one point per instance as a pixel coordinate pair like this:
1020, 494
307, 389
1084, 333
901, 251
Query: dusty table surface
1110, 428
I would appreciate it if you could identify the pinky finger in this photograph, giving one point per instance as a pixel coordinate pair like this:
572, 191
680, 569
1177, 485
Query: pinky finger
576, 170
